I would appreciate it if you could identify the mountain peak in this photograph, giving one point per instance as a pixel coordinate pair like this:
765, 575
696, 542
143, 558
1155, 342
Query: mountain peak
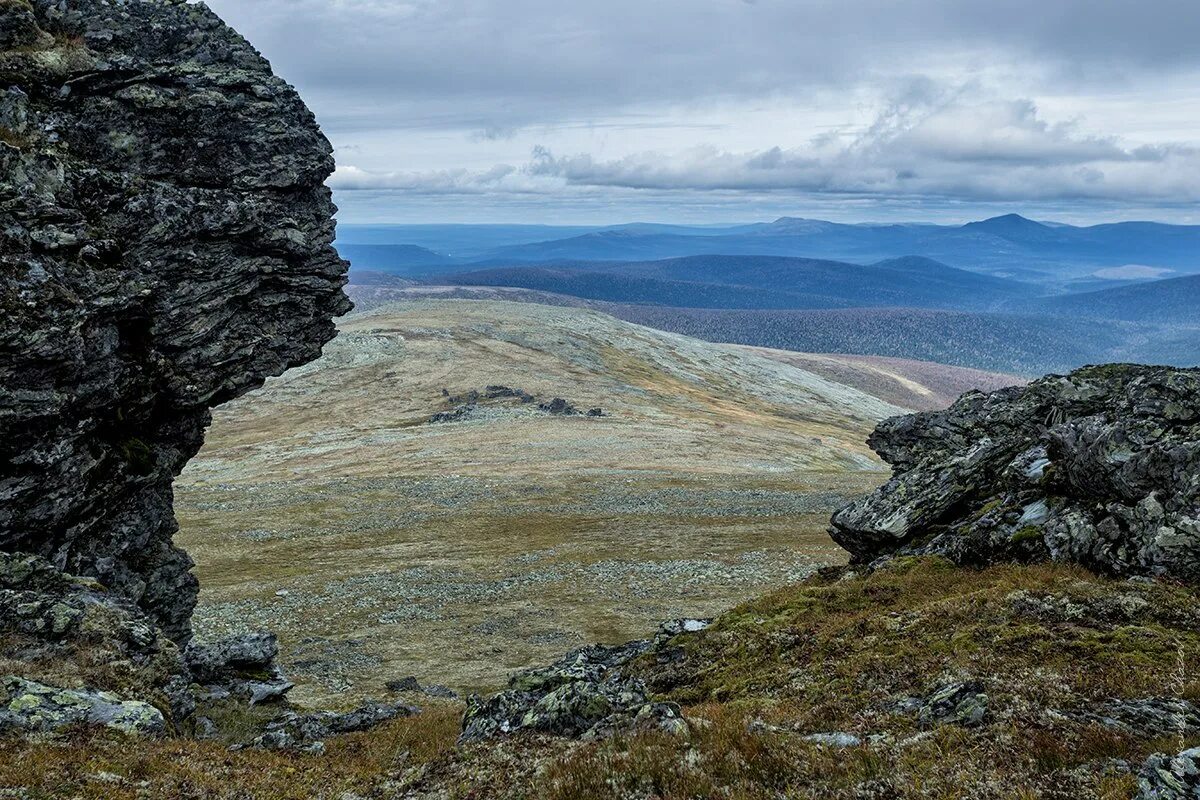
1007, 222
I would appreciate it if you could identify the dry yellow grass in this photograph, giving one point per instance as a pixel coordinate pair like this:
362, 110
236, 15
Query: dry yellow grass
461, 551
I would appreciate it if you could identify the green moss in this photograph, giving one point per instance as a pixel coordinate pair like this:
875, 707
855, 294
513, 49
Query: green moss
1027, 533
1047, 476
138, 455
990, 507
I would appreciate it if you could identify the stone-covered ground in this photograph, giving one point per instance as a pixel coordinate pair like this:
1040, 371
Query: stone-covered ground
917, 680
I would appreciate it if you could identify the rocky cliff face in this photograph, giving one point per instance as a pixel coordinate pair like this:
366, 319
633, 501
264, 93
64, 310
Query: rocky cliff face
1100, 468
165, 246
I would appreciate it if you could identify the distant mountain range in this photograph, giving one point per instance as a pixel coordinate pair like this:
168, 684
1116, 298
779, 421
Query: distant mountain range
761, 282
1058, 257
398, 259
1007, 293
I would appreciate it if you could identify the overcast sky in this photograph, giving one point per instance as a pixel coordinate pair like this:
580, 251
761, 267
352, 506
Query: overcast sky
602, 111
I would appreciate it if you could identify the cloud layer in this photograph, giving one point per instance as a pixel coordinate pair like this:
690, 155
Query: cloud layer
1006, 101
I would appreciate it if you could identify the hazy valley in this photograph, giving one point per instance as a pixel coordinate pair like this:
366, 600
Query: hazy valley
1005, 294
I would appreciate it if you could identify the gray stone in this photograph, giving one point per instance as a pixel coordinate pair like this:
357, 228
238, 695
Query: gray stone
1096, 468
305, 732
242, 665
411, 684
1164, 777
236, 655
1150, 718
29, 707
583, 695
959, 703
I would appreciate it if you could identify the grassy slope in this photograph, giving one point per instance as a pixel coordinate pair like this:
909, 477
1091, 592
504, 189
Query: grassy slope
830, 654
461, 551
919, 385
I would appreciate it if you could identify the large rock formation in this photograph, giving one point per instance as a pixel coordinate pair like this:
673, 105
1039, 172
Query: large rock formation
1100, 468
165, 246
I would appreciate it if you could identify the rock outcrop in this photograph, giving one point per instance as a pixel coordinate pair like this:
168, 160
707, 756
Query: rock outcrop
1165, 777
1100, 468
585, 694
240, 666
56, 628
165, 246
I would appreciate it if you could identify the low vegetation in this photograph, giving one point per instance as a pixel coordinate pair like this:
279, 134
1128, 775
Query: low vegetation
1052, 651
103, 766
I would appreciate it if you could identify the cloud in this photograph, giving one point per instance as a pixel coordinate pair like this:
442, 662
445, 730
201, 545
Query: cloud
500, 63
1021, 101
459, 181
935, 145
1132, 272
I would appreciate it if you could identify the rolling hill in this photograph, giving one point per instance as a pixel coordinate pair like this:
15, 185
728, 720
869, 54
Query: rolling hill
760, 282
397, 259
1022, 344
1171, 301
1008, 245
1058, 257
1025, 344
385, 521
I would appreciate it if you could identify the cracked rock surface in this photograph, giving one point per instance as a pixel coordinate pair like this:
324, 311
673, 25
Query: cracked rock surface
1100, 468
585, 694
165, 246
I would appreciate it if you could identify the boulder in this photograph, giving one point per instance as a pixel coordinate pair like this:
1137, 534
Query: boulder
1100, 467
165, 246
244, 666
1150, 717
305, 732
29, 707
413, 686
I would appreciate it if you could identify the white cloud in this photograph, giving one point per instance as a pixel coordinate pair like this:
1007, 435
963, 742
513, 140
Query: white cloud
1132, 272
952, 148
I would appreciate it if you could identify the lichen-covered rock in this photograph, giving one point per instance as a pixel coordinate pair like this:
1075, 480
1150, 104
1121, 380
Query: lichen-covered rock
959, 703
28, 707
165, 246
73, 631
1164, 777
582, 695
1100, 467
1150, 717
306, 732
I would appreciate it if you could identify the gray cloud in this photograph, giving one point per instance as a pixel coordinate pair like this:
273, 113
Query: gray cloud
985, 151
495, 63
909, 99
